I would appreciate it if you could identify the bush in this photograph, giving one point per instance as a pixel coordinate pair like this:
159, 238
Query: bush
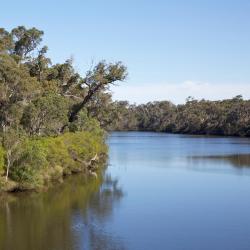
30, 160
38, 161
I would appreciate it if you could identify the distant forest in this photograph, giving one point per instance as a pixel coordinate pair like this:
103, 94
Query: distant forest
226, 117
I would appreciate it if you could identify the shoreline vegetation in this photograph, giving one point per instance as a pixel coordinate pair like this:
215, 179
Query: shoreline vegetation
41, 162
53, 121
229, 117
46, 130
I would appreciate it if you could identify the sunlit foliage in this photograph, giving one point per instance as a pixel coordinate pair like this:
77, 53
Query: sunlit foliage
45, 108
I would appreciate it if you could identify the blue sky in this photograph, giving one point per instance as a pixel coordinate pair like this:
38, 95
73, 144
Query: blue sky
172, 48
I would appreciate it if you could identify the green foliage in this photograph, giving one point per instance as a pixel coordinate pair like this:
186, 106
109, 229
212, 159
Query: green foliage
49, 126
42, 98
103, 109
5, 40
85, 123
38, 161
45, 115
25, 40
30, 160
98, 81
227, 117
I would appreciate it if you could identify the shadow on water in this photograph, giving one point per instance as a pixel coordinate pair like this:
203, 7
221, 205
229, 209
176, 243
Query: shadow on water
71, 215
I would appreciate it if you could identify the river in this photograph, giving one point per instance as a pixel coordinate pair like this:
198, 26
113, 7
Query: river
160, 191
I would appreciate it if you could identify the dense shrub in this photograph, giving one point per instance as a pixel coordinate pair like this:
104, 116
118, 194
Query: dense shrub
38, 161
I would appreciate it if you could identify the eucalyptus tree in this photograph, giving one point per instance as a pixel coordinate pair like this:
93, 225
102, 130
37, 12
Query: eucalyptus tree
98, 80
17, 88
25, 41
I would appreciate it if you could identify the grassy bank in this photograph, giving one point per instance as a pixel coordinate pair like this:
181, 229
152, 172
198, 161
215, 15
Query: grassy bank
38, 162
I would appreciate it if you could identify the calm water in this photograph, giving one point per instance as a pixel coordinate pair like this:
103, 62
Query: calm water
160, 191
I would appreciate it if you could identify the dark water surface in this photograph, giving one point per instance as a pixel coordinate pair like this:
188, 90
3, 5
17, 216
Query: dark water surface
160, 191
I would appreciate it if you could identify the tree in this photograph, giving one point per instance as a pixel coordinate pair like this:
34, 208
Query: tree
45, 115
37, 100
10, 141
25, 40
101, 107
99, 79
17, 87
39, 65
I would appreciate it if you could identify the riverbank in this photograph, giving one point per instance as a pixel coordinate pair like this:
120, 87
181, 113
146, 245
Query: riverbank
38, 163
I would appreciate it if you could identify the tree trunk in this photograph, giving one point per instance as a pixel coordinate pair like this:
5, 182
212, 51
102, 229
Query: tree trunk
8, 164
80, 106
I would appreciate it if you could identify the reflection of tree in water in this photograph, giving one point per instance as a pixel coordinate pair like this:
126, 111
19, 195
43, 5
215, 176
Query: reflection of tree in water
101, 202
239, 161
98, 212
70, 216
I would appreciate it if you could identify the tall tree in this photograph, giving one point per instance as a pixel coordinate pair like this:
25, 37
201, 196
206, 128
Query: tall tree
25, 40
99, 79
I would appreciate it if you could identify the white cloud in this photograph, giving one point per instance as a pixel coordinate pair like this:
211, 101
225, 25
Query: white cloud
177, 93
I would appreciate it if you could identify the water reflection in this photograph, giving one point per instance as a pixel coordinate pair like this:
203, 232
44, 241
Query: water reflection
239, 163
182, 192
70, 216
238, 160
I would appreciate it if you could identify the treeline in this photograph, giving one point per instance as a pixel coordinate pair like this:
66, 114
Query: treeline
226, 117
46, 131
